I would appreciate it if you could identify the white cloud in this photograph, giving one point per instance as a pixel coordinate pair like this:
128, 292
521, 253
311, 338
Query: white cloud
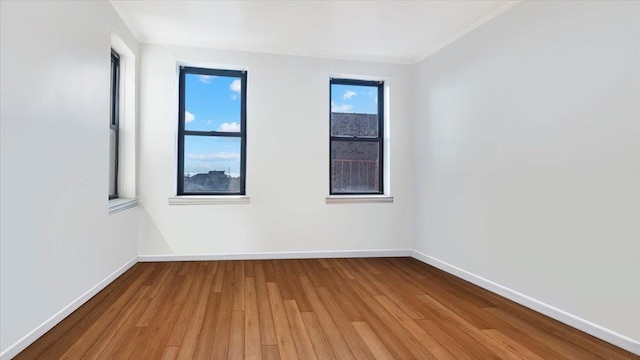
340, 107
221, 156
349, 94
235, 86
230, 127
189, 117
206, 79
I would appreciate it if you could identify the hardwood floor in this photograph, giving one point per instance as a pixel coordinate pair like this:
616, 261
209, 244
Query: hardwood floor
380, 308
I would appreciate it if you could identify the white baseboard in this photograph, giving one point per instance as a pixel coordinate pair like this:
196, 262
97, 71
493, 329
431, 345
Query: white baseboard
28, 339
596, 330
278, 255
579, 323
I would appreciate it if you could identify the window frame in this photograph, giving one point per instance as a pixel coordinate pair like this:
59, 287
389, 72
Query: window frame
379, 84
114, 121
182, 132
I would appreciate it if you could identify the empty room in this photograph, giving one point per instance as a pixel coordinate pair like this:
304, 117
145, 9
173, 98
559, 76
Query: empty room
454, 179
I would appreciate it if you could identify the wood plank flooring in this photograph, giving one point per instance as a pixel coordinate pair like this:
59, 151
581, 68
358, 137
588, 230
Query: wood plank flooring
379, 308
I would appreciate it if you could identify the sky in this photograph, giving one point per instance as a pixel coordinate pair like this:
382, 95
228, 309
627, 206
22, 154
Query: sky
354, 99
212, 103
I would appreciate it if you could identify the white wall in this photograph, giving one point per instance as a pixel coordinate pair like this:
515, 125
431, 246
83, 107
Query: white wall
528, 157
527, 151
287, 161
58, 241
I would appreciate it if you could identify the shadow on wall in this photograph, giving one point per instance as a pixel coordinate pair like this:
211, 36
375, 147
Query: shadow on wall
150, 238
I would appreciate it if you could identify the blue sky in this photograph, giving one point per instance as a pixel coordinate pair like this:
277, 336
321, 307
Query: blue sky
212, 103
354, 99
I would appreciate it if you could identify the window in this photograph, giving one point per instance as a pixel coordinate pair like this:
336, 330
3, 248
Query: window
356, 137
212, 132
114, 123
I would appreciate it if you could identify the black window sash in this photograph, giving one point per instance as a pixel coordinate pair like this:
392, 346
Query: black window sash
379, 139
182, 132
114, 121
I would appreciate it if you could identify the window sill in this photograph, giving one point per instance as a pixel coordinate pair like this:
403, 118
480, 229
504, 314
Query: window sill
121, 204
358, 199
209, 200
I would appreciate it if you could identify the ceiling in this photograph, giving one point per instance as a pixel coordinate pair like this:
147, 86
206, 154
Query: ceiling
386, 31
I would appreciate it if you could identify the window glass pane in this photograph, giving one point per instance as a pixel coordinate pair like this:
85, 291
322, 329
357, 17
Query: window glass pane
354, 167
212, 103
211, 164
354, 110
360, 125
112, 161
112, 103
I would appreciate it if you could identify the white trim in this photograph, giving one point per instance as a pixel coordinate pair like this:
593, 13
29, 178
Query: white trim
279, 255
117, 205
209, 200
358, 199
596, 330
579, 323
464, 32
331, 55
119, 45
36, 333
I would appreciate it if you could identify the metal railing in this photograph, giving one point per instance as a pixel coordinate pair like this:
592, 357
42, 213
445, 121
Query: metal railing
354, 175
